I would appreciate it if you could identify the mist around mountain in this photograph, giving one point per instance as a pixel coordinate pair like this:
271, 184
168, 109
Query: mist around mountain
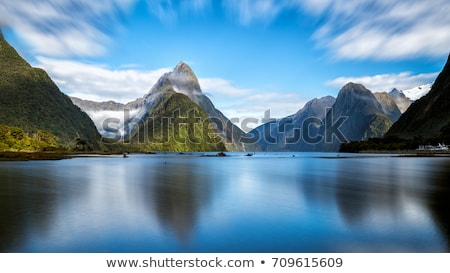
429, 116
30, 101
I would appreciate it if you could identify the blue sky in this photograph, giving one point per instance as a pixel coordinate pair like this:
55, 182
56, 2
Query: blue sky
250, 56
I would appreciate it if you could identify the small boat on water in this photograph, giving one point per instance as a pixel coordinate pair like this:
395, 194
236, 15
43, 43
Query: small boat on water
439, 147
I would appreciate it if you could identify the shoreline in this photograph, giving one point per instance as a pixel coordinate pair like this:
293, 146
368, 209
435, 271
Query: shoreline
409, 153
61, 155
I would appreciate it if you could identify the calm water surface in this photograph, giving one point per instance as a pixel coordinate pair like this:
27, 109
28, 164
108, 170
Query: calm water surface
186, 203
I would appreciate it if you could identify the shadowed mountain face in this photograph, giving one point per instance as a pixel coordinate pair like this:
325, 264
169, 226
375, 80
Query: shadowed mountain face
29, 99
427, 116
292, 133
356, 115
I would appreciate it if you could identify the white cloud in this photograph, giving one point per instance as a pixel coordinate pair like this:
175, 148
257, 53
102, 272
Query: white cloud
64, 27
99, 83
386, 82
384, 29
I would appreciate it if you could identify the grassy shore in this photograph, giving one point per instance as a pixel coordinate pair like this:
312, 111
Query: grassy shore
25, 156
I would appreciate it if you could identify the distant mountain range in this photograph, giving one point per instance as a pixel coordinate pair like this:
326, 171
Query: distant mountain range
30, 100
360, 114
292, 133
366, 115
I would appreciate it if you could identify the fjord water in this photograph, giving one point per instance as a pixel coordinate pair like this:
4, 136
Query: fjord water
309, 202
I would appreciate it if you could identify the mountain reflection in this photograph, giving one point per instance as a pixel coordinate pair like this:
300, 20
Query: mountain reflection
352, 197
186, 203
383, 194
180, 193
21, 211
439, 200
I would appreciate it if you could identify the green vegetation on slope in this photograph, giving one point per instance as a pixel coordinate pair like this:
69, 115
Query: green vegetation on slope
30, 100
175, 123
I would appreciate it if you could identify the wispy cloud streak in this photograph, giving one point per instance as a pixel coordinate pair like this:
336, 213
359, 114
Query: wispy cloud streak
384, 29
64, 27
363, 29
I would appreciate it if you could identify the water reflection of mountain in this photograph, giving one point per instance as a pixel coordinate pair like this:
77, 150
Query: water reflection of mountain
372, 192
382, 204
26, 203
439, 200
179, 193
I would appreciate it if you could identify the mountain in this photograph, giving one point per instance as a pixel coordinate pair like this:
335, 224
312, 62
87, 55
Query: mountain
428, 115
292, 133
175, 123
388, 105
30, 100
181, 80
356, 115
400, 99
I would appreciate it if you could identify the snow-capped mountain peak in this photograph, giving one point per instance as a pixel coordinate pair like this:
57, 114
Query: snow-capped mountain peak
417, 92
